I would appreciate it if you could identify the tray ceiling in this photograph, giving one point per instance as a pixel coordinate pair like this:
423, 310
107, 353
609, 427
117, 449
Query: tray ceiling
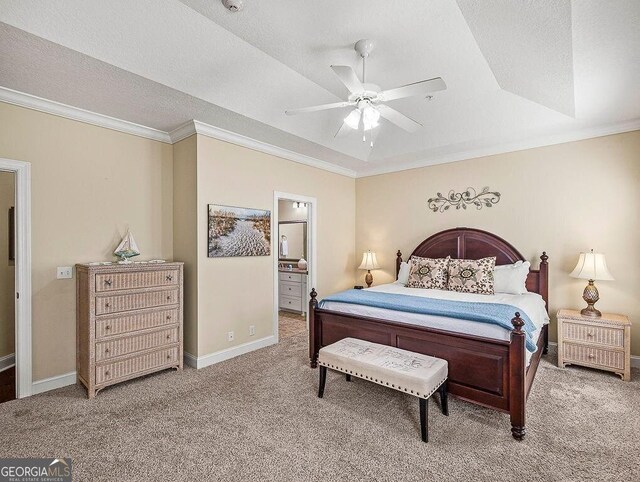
519, 73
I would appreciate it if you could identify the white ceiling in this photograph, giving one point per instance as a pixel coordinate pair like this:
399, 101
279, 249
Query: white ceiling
519, 72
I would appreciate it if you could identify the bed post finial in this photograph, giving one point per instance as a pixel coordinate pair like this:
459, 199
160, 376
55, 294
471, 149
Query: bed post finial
314, 296
517, 323
544, 258
398, 262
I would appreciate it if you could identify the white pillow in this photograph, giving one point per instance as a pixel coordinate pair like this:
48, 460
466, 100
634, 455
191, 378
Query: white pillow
511, 278
403, 274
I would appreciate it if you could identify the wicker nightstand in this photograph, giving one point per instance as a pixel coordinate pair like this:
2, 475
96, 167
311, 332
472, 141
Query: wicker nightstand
603, 343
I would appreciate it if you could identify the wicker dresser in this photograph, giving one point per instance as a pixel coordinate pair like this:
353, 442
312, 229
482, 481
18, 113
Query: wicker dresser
128, 321
603, 342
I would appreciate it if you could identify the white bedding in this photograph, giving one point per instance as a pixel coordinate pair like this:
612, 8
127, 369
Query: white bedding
530, 303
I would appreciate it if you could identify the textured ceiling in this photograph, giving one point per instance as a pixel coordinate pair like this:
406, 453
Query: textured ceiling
517, 71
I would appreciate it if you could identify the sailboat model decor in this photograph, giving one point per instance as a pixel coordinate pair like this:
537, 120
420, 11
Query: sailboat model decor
127, 249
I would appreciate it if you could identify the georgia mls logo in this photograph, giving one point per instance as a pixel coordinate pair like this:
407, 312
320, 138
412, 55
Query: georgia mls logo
35, 470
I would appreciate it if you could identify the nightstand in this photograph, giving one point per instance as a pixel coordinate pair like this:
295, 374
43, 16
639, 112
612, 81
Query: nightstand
603, 343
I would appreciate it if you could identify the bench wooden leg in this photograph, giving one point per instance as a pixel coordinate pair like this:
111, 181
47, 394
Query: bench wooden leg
347, 377
323, 379
444, 398
424, 418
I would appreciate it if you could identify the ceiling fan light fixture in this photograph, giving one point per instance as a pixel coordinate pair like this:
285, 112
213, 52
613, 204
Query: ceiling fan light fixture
353, 119
370, 117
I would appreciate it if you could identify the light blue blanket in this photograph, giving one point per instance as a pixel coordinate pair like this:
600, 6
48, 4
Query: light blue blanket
493, 313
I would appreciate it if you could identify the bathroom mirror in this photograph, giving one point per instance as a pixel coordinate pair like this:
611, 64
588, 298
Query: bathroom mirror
292, 240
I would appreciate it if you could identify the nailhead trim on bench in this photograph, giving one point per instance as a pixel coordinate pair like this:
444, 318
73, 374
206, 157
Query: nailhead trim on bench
360, 375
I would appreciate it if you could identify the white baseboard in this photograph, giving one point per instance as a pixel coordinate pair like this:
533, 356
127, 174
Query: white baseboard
46, 384
219, 356
635, 360
7, 362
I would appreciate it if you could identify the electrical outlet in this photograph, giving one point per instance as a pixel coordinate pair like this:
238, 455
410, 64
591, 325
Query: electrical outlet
64, 272
230, 336
252, 330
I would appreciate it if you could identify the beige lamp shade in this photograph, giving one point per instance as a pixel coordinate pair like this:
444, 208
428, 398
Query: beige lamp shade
592, 266
369, 261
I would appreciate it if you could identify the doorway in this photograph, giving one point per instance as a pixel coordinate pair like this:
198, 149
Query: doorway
7, 287
15, 279
294, 246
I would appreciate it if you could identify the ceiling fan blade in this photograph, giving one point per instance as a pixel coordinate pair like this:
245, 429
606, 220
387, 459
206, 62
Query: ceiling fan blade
316, 108
349, 78
343, 131
398, 119
424, 87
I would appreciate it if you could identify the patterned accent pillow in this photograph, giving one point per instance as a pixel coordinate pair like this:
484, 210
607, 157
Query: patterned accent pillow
428, 273
472, 276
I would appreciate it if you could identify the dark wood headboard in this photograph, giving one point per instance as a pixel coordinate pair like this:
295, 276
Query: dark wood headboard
469, 243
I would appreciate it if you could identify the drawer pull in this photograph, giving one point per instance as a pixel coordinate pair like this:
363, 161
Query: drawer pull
106, 350
106, 305
168, 337
591, 355
107, 328
169, 277
168, 297
108, 282
590, 333
168, 357
168, 317
106, 373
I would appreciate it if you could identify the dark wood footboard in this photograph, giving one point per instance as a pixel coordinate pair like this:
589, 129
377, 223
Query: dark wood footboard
484, 371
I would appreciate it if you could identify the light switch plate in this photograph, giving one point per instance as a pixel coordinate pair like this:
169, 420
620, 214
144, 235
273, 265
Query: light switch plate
64, 272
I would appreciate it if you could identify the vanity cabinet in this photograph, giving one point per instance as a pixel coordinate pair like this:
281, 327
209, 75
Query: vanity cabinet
293, 291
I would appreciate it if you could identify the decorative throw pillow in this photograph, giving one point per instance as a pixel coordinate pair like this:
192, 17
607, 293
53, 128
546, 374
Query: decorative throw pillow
471, 276
428, 273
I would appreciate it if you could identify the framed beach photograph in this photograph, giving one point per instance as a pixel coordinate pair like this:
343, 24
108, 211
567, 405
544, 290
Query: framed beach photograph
235, 231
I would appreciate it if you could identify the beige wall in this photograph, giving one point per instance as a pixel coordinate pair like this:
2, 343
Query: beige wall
7, 273
238, 292
563, 199
185, 249
89, 184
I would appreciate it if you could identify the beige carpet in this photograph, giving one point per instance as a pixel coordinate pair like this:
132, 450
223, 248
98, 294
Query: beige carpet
291, 324
257, 417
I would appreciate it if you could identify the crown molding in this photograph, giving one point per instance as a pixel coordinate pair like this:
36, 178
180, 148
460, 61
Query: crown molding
187, 129
196, 127
577, 135
75, 113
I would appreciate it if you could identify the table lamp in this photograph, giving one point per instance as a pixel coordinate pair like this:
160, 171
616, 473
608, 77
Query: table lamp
591, 266
369, 262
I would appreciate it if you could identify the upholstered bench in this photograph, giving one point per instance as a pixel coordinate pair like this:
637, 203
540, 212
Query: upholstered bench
405, 371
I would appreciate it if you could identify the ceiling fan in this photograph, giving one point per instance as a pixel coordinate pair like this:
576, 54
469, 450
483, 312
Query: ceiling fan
369, 101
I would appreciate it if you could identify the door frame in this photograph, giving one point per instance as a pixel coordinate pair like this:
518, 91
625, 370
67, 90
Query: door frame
312, 218
23, 350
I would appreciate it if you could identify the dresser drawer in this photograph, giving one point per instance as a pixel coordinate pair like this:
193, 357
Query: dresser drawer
137, 364
593, 356
293, 277
135, 301
602, 335
139, 279
131, 344
290, 303
134, 322
290, 289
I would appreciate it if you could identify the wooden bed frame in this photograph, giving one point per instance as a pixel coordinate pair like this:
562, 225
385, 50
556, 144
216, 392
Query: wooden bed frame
482, 370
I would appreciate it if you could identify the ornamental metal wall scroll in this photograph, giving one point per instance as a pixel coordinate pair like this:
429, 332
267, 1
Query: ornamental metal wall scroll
460, 200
